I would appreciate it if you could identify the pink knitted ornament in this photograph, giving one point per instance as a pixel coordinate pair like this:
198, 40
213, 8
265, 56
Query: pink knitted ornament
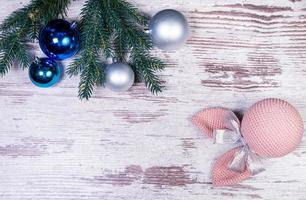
270, 128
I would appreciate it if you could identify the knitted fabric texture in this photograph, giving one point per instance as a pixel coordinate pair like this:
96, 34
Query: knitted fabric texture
271, 128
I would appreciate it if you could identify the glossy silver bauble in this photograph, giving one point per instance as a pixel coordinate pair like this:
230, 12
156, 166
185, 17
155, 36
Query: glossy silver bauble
119, 77
169, 30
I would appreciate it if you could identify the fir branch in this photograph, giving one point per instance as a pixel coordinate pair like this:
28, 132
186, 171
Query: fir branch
115, 28
92, 39
76, 67
23, 25
120, 47
12, 48
146, 67
90, 76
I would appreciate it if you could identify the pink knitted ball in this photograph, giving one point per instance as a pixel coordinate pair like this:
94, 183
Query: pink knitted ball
272, 128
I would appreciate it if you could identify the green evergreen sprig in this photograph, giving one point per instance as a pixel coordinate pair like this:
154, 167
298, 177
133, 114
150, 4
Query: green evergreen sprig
23, 26
115, 29
109, 29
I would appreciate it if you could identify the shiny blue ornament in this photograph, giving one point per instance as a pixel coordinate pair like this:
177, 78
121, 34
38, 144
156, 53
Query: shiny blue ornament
45, 72
59, 39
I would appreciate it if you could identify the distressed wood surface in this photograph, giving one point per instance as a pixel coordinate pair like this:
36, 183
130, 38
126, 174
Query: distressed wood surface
138, 146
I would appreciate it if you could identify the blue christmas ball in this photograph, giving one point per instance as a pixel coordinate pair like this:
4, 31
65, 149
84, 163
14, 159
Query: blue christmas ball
45, 72
59, 39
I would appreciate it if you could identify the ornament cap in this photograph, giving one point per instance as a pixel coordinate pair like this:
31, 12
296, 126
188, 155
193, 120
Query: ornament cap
74, 24
147, 31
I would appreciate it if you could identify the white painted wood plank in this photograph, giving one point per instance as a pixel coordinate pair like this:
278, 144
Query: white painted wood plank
138, 146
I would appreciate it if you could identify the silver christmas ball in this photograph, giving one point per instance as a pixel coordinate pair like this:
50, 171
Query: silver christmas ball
119, 77
169, 29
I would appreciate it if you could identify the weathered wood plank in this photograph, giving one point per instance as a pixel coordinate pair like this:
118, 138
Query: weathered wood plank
138, 146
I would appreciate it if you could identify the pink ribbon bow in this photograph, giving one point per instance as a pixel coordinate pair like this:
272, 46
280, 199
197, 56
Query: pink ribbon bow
237, 164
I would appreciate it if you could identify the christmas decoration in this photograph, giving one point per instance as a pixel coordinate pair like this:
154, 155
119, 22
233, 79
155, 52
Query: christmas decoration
116, 28
270, 128
107, 29
22, 26
59, 39
168, 29
45, 72
119, 77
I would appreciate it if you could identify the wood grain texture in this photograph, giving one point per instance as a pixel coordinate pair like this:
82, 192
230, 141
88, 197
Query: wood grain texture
138, 146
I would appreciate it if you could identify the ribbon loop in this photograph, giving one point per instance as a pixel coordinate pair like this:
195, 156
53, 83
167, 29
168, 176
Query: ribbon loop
255, 164
244, 158
239, 162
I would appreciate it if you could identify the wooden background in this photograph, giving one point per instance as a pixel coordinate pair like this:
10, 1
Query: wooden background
135, 146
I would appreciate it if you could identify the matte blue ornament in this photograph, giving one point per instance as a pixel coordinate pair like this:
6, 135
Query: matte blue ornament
45, 72
59, 39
